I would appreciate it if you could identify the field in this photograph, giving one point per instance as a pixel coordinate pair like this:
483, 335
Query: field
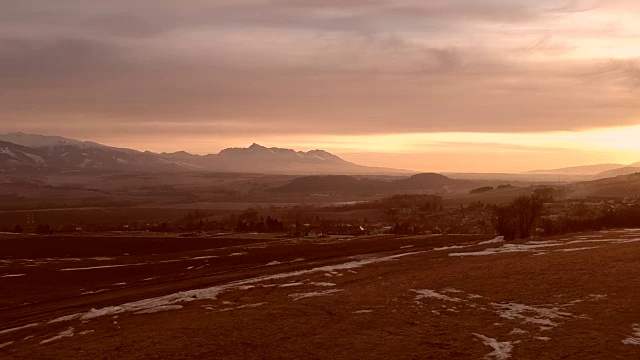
109, 296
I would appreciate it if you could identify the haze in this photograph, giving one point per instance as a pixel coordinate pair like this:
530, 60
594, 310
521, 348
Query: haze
456, 85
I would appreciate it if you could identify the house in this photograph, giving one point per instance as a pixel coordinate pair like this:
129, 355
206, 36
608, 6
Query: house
315, 233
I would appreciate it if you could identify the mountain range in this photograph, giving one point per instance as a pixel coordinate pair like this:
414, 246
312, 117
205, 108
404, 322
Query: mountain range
19, 151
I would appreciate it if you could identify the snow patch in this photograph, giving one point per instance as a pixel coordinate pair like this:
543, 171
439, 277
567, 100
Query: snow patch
497, 239
203, 257
578, 249
12, 275
159, 309
536, 315
211, 293
635, 340
18, 328
501, 350
298, 296
363, 311
274, 263
451, 247
63, 334
291, 284
6, 344
94, 292
101, 267
518, 331
426, 293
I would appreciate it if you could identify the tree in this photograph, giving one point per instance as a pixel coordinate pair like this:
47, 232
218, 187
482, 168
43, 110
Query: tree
516, 220
503, 221
526, 210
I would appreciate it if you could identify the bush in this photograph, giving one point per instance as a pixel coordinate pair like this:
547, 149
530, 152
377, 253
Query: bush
481, 190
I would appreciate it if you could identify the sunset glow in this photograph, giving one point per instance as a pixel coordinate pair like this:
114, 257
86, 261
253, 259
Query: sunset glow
434, 86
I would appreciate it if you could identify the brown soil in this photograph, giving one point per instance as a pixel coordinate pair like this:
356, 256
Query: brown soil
542, 301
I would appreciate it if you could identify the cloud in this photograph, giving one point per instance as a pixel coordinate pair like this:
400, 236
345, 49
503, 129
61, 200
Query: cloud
255, 67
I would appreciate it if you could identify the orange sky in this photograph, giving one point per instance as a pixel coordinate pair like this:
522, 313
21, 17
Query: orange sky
456, 85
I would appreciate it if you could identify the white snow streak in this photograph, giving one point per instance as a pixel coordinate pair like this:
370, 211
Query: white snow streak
18, 328
426, 293
635, 340
298, 296
63, 334
12, 275
212, 292
501, 350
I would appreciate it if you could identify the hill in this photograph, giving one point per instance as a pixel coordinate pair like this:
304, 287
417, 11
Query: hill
619, 186
19, 151
579, 170
427, 182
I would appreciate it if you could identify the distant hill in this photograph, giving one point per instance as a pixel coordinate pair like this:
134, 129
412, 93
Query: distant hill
19, 151
331, 184
428, 182
579, 170
617, 172
619, 186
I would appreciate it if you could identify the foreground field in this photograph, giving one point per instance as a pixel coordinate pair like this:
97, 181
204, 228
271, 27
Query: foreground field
459, 297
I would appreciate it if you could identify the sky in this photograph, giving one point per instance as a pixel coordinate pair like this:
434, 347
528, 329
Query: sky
450, 85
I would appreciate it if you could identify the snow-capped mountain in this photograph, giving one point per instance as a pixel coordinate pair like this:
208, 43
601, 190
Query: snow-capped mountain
73, 156
41, 141
20, 151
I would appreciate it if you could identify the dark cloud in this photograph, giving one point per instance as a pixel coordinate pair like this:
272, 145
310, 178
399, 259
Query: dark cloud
316, 66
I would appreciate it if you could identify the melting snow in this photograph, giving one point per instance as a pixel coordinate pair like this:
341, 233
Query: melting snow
6, 344
12, 275
63, 334
497, 239
93, 292
291, 284
159, 309
451, 247
203, 257
102, 267
578, 249
541, 315
212, 292
426, 293
238, 254
274, 263
501, 350
18, 328
633, 340
298, 296
322, 284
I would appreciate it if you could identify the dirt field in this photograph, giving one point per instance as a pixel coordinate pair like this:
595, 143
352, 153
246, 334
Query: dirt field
452, 297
